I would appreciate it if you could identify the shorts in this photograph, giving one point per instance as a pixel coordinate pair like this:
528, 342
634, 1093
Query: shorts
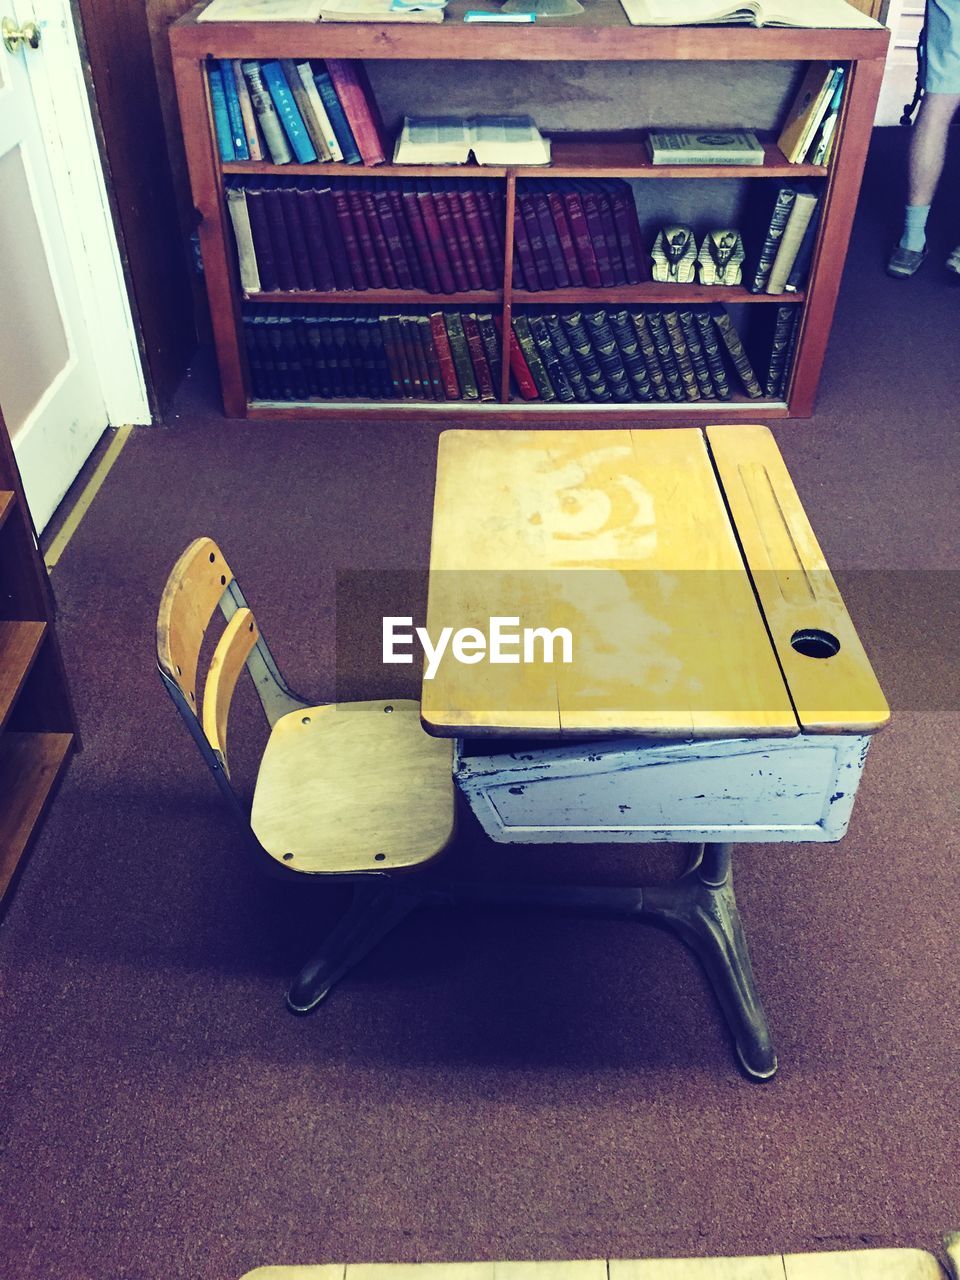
943, 47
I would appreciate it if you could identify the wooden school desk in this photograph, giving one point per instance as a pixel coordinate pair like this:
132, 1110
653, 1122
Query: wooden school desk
717, 691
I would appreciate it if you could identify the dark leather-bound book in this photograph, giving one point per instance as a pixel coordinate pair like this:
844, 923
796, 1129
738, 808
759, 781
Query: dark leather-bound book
551, 240
538, 247
668, 361
596, 211
630, 353
352, 87
298, 378
737, 353
360, 342
490, 203
405, 357
314, 235
489, 274
461, 356
329, 373
524, 267
611, 239
358, 215
318, 357
561, 222
585, 355
291, 204
636, 266
260, 381
421, 239
282, 253
406, 239
491, 345
391, 232
779, 217
342, 356
441, 344
710, 342
390, 339
519, 369
782, 333
448, 235
648, 350
582, 239
464, 239
348, 234
561, 344
262, 240
433, 360
431, 223
521, 327
551, 359
697, 358
380, 247
388, 390
419, 379
608, 354
478, 356
334, 240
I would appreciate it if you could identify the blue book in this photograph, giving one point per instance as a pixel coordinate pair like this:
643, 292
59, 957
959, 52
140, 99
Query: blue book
289, 112
237, 132
338, 119
221, 120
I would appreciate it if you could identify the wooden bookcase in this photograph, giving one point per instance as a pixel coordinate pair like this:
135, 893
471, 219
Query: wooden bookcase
37, 727
470, 53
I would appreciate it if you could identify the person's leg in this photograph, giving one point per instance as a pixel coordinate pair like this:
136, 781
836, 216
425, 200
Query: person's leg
928, 147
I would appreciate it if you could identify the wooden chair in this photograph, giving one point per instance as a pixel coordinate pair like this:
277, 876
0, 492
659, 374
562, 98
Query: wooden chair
353, 790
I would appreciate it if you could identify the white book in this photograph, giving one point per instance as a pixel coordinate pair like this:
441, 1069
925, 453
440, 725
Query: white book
800, 214
704, 146
305, 72
261, 11
491, 139
243, 234
754, 13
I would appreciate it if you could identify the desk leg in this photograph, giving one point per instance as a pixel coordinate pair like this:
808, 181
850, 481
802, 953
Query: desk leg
702, 908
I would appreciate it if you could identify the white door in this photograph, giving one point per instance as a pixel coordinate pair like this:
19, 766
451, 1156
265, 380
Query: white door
49, 385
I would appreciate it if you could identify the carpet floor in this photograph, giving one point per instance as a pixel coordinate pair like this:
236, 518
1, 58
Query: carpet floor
484, 1086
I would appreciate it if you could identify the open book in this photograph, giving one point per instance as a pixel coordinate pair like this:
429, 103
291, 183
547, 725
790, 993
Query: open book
492, 139
323, 10
754, 13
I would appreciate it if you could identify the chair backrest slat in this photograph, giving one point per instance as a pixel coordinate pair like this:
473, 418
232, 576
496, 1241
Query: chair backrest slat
193, 591
230, 657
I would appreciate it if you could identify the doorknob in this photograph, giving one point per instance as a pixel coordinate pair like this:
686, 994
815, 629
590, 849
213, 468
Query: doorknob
14, 36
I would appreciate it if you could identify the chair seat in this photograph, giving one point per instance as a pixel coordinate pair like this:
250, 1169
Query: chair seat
357, 786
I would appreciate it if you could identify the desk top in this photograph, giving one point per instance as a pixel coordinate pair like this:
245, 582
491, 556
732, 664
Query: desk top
682, 564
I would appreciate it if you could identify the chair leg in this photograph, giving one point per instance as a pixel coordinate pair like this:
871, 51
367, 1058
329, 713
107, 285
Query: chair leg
378, 907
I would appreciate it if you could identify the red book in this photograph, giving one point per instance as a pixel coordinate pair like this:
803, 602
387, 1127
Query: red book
523, 263
551, 240
380, 246
491, 220
581, 237
558, 211
455, 199
421, 239
518, 366
406, 239
391, 231
358, 214
478, 356
352, 87
598, 238
441, 344
431, 223
490, 276
348, 235
315, 236
448, 235
262, 240
635, 265
283, 257
610, 236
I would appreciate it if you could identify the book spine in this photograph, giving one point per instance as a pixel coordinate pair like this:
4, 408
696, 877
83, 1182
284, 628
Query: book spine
782, 333
538, 369
441, 343
519, 369
538, 249
254, 362
775, 229
243, 235
247, 113
334, 376
433, 360
289, 113
450, 243
333, 239
801, 265
561, 222
628, 231
738, 355
487, 272
283, 257
551, 359
551, 241
418, 356
338, 121
586, 357
712, 353
582, 239
491, 345
630, 353
353, 90
668, 361
407, 246
409, 357
266, 114
434, 232
221, 118
311, 122
464, 239
491, 206
784, 383
290, 203
388, 390
389, 343
561, 344
524, 268
262, 240
238, 135
364, 234
610, 237
788, 251
351, 242
598, 239
315, 237
461, 356
391, 233
697, 357
331, 143
478, 356
648, 349
608, 354
421, 240
381, 250
318, 356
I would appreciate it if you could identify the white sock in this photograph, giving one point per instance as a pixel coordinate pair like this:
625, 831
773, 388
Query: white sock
914, 228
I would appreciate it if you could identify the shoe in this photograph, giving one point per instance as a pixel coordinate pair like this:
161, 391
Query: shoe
906, 262
953, 262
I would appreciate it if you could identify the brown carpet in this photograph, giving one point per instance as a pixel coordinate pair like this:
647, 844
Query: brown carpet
486, 1086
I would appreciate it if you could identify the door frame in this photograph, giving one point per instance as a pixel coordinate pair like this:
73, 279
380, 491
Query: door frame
62, 99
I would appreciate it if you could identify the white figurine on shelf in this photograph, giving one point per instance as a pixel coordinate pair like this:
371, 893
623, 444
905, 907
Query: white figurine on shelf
675, 256
721, 257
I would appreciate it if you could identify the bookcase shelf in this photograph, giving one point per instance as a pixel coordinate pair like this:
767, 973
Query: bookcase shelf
601, 34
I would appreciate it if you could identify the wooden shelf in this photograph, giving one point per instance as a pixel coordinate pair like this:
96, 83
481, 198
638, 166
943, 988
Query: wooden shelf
652, 292
30, 767
574, 156
7, 500
375, 297
19, 645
